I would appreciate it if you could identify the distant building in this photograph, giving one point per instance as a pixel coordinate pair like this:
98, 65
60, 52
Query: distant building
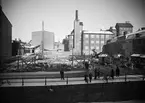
71, 40
43, 36
5, 36
123, 28
66, 44
113, 30
94, 40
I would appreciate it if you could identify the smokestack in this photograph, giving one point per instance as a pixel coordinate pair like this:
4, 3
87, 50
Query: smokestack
76, 15
42, 25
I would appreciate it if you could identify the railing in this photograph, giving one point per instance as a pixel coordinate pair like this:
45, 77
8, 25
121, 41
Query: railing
66, 81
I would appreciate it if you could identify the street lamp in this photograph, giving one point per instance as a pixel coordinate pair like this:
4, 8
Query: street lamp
72, 56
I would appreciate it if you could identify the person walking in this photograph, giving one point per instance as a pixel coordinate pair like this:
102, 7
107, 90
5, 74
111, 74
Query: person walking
117, 72
90, 72
95, 73
61, 73
90, 77
112, 74
86, 78
86, 65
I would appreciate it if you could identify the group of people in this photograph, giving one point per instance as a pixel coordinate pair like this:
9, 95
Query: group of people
117, 72
90, 69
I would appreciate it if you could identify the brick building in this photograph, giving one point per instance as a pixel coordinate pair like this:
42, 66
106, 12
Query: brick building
123, 28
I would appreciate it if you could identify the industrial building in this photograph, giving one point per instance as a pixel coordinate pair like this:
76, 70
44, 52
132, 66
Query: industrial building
43, 37
5, 37
83, 42
94, 40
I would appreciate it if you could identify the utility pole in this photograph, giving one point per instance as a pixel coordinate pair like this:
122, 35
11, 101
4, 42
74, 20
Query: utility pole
42, 40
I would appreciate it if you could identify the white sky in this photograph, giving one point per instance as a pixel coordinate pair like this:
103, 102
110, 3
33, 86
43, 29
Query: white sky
26, 16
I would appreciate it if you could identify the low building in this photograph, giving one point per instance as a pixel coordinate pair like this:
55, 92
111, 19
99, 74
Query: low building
43, 36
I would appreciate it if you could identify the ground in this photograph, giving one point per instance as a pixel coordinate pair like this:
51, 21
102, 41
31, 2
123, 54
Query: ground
74, 93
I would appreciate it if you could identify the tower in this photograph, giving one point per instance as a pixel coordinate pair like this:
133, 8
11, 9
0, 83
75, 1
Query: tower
77, 34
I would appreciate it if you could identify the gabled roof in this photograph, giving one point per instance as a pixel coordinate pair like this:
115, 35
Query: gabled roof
124, 25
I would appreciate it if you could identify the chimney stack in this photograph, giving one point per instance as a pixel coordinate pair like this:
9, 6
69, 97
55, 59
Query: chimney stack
76, 15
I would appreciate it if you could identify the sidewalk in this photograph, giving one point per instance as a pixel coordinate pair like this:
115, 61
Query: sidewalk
70, 81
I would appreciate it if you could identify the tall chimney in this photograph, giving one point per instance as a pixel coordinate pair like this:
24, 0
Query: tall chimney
42, 25
76, 15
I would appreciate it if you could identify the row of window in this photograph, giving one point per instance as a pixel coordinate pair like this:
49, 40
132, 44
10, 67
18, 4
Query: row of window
92, 47
96, 36
126, 29
92, 42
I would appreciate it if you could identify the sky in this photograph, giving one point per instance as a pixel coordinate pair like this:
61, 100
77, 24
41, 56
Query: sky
26, 16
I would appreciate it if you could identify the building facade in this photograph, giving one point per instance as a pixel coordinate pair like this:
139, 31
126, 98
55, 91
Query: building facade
45, 37
5, 36
94, 40
123, 28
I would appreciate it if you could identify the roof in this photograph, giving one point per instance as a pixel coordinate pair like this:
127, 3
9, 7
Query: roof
98, 32
132, 35
32, 47
124, 25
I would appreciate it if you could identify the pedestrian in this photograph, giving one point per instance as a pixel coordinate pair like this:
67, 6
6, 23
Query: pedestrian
117, 72
61, 73
98, 73
86, 78
90, 72
112, 74
86, 65
95, 73
90, 77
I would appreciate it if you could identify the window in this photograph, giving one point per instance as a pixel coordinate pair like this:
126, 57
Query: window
86, 47
102, 42
86, 36
97, 36
92, 36
92, 42
102, 36
92, 47
97, 47
97, 42
86, 41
